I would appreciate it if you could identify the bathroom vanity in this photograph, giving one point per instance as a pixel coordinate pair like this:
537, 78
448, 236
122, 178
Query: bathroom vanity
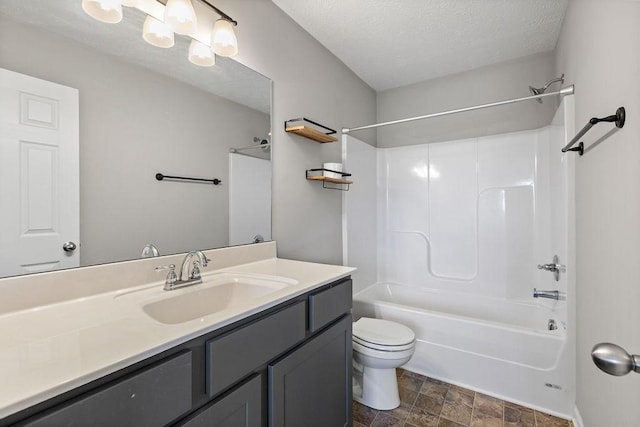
236, 367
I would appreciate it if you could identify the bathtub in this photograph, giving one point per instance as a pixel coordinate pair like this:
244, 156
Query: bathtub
495, 346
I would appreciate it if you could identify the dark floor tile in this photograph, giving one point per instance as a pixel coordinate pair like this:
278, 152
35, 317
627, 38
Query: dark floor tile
410, 382
437, 390
429, 404
462, 390
420, 418
363, 414
457, 406
407, 398
546, 420
489, 406
433, 380
386, 420
518, 416
448, 423
459, 396
457, 412
414, 375
357, 424
480, 419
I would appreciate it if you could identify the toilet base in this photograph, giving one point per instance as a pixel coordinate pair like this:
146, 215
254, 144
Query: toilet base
376, 388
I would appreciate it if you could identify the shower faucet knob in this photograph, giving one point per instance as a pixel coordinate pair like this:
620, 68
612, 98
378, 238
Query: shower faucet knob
554, 267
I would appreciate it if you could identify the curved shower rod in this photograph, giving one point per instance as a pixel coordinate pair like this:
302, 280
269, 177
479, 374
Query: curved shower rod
569, 90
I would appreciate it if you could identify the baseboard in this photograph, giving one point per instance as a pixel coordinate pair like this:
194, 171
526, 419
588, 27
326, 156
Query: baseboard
577, 419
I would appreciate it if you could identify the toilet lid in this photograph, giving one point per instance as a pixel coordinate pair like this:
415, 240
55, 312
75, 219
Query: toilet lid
382, 332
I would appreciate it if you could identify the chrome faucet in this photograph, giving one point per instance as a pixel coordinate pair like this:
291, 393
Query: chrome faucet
189, 273
184, 275
546, 294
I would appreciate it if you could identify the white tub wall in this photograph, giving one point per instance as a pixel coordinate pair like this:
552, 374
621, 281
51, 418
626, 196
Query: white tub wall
359, 220
470, 215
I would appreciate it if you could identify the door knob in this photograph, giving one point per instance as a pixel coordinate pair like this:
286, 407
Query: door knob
614, 360
69, 247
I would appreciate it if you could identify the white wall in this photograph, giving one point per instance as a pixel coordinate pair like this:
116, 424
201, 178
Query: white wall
483, 85
360, 232
599, 50
307, 81
133, 124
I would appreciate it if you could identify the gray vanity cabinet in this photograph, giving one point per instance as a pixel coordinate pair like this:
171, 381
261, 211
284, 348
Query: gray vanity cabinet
241, 375
153, 396
242, 407
314, 381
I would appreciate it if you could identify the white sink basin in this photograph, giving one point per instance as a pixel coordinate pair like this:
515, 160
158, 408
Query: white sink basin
217, 292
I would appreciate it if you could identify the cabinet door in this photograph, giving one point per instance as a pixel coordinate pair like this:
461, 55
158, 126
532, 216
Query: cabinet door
240, 408
314, 381
152, 397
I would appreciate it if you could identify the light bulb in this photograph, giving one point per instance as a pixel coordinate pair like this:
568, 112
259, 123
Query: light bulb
223, 38
179, 14
157, 33
201, 54
109, 11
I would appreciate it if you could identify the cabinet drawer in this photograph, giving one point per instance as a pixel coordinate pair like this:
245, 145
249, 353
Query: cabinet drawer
154, 396
236, 354
240, 407
329, 304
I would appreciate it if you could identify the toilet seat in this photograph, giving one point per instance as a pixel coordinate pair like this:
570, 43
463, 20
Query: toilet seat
382, 335
380, 347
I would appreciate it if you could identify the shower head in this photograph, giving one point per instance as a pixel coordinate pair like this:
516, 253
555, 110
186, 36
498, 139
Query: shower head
266, 146
540, 91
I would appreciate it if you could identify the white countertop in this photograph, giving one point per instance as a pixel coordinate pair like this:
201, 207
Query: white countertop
50, 349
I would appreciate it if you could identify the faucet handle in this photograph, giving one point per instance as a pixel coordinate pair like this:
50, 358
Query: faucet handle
195, 272
172, 278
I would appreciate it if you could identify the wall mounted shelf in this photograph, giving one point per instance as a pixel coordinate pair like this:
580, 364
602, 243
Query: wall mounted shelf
309, 129
340, 183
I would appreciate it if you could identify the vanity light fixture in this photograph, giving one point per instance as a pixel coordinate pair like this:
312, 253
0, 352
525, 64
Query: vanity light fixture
223, 38
157, 33
109, 11
180, 16
201, 54
166, 17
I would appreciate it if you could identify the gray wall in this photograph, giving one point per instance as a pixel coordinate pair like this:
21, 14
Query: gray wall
309, 82
176, 129
599, 50
480, 86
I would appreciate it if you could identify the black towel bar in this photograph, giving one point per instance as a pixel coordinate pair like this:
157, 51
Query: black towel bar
618, 118
214, 181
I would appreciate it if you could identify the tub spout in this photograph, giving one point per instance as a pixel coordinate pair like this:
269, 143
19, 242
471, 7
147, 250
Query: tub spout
546, 294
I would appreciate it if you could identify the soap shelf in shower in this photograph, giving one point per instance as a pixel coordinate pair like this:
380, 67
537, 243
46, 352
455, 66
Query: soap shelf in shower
329, 182
309, 129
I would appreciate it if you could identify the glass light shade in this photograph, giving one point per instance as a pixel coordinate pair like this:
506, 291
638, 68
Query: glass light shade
223, 38
157, 33
201, 54
179, 14
109, 11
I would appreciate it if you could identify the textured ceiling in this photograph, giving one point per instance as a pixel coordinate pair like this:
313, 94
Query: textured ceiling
227, 78
395, 43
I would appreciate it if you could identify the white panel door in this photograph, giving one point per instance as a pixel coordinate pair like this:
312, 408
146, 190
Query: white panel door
39, 167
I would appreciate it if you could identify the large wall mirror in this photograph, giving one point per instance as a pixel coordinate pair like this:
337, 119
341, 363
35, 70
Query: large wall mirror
134, 111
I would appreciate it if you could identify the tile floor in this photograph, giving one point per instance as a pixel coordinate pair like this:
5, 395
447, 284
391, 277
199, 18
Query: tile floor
425, 402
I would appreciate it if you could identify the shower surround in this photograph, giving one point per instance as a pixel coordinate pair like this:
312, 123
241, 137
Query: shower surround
461, 228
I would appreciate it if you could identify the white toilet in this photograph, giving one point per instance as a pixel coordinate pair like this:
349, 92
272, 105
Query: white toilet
379, 346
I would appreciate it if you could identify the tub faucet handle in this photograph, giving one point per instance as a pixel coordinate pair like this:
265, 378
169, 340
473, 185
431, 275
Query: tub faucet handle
554, 267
